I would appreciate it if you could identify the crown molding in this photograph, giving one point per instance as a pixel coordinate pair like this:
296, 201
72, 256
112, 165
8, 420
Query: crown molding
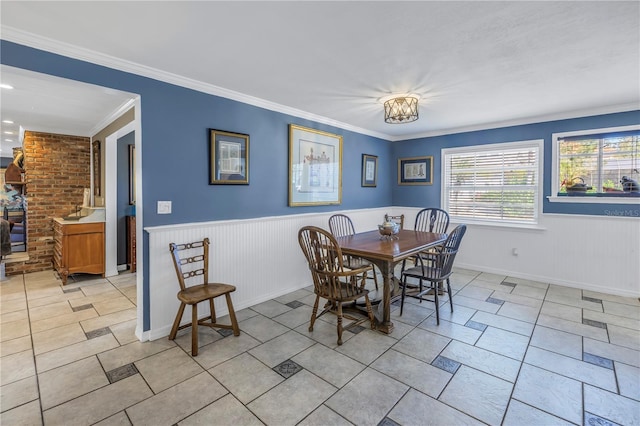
75, 52
113, 116
565, 115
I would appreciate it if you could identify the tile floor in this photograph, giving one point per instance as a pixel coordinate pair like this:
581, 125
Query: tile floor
514, 352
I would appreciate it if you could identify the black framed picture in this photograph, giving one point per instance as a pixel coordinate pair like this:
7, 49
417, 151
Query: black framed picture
369, 170
228, 158
415, 171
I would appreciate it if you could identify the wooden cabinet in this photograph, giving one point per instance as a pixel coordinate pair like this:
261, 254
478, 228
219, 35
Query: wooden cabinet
131, 243
79, 247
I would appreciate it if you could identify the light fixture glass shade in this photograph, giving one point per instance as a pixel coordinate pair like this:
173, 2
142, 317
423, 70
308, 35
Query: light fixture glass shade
402, 109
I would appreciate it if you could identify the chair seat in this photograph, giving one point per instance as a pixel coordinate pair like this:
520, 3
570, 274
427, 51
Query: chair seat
346, 293
198, 293
356, 262
425, 272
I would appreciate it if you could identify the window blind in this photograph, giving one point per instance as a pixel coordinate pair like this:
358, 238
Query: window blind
493, 184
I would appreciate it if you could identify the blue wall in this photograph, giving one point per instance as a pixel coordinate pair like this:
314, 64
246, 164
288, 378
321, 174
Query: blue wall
175, 123
418, 196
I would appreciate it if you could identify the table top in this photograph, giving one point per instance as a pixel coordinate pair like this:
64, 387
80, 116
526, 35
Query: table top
372, 246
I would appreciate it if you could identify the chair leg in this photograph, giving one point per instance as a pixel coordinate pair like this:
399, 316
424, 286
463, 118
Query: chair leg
404, 292
449, 291
435, 299
176, 322
375, 277
194, 329
232, 316
339, 323
212, 309
313, 314
370, 311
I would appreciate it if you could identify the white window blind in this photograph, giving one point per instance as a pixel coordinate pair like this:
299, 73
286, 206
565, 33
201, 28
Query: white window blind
493, 183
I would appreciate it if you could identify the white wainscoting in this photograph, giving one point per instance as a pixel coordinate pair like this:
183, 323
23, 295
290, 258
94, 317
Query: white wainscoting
262, 258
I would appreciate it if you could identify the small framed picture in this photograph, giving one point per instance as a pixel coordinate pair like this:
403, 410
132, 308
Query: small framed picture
369, 170
228, 158
415, 171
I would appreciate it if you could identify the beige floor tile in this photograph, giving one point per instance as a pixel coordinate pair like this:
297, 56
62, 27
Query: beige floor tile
62, 297
519, 312
27, 414
97, 287
626, 337
14, 316
118, 419
451, 330
57, 338
225, 349
519, 414
227, 408
570, 367
94, 298
13, 346
486, 400
415, 408
329, 365
177, 402
613, 352
281, 348
623, 310
246, 377
476, 304
323, 416
422, 344
303, 392
616, 408
167, 368
18, 304
100, 404
483, 360
412, 372
70, 381
16, 367
19, 392
14, 329
49, 311
366, 346
69, 354
367, 398
606, 318
504, 323
62, 320
628, 380
132, 352
557, 341
125, 332
557, 310
109, 319
550, 392
113, 305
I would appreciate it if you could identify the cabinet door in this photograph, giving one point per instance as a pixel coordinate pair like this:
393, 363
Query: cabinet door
85, 253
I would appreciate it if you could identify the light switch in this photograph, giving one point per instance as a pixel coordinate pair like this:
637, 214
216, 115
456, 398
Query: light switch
164, 207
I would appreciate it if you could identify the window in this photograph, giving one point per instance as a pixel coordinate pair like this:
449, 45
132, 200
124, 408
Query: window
596, 160
493, 183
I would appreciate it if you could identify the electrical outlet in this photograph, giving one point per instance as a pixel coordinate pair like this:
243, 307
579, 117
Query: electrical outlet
164, 207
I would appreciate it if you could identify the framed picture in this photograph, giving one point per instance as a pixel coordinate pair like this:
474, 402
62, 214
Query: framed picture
132, 174
369, 170
97, 168
315, 167
228, 158
415, 171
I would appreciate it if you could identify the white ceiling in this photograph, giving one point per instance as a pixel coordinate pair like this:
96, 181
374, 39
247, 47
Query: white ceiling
474, 64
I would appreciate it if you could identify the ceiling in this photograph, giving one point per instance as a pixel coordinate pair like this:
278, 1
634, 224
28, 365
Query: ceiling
473, 64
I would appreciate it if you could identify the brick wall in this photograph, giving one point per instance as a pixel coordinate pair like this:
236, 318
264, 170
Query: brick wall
57, 169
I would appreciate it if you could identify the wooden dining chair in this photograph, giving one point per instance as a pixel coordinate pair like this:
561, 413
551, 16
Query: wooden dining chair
436, 271
332, 280
191, 262
431, 219
341, 225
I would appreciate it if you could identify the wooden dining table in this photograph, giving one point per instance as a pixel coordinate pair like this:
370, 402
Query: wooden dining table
386, 253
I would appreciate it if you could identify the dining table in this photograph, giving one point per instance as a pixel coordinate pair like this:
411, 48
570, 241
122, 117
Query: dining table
386, 252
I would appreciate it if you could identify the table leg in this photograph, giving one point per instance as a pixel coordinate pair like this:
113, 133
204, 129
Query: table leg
383, 313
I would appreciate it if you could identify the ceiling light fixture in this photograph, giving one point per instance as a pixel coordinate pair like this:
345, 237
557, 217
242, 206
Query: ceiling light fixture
6, 86
401, 109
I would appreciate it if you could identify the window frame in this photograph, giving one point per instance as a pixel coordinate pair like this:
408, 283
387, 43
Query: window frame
539, 197
555, 169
